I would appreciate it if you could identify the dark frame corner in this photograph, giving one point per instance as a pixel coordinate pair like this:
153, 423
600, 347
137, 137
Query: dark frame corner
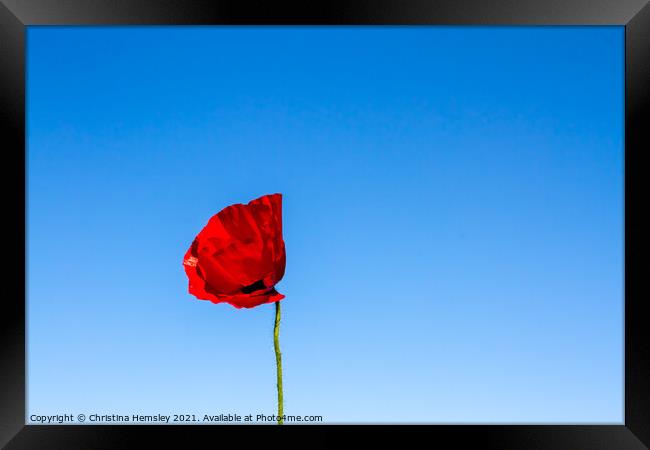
16, 15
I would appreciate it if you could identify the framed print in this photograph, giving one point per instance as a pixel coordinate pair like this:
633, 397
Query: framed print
339, 215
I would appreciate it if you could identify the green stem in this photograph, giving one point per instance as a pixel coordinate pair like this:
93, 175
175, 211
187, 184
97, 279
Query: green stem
278, 361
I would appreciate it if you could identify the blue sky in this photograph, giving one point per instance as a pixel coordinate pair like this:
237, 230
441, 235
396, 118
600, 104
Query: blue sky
453, 216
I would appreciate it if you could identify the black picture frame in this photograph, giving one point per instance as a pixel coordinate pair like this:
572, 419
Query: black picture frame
634, 15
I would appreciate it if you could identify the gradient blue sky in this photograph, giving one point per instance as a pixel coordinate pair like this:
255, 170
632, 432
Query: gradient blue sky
453, 215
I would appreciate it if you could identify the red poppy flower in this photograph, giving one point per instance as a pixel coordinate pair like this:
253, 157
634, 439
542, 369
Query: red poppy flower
239, 256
